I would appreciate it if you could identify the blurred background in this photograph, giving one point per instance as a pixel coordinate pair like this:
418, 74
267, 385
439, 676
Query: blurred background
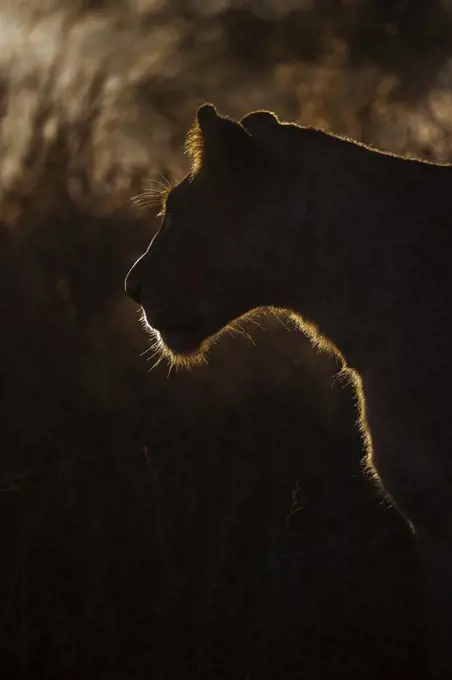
213, 524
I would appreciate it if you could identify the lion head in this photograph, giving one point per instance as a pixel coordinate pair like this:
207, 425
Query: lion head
226, 243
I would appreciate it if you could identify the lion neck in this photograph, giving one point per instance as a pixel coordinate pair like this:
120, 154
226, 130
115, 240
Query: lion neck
368, 241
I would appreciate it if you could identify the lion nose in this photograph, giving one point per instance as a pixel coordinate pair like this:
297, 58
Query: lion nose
133, 284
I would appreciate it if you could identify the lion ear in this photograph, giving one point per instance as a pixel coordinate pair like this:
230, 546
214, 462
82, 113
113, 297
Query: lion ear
260, 124
207, 117
266, 130
224, 142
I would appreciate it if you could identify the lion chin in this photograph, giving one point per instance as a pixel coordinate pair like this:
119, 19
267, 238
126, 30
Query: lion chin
180, 347
182, 350
185, 343
181, 343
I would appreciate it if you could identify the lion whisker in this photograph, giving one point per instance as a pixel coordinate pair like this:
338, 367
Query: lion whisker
156, 363
156, 351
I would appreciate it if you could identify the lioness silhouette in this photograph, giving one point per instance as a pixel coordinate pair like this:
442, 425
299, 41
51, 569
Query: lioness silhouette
356, 244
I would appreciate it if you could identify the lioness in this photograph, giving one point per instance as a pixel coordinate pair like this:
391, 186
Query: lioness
357, 244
